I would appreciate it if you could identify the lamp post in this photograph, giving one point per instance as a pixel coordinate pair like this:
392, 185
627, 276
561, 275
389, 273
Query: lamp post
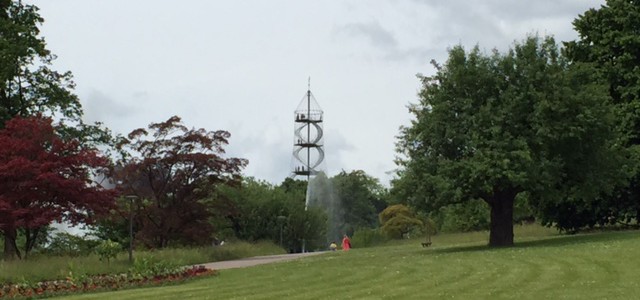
131, 198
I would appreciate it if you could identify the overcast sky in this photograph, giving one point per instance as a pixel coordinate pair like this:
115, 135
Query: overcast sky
242, 66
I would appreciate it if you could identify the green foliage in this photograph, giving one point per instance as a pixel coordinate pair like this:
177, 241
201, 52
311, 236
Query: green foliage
368, 237
608, 37
27, 84
398, 220
523, 212
257, 210
463, 217
609, 40
108, 250
361, 197
29, 87
149, 266
38, 239
492, 126
66, 244
115, 225
430, 228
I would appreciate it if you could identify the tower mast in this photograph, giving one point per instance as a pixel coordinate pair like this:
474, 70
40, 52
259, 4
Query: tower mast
308, 148
308, 132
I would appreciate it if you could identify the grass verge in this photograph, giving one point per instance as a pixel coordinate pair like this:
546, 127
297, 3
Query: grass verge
51, 268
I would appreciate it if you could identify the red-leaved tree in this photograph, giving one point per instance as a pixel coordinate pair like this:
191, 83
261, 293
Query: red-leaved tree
44, 178
171, 169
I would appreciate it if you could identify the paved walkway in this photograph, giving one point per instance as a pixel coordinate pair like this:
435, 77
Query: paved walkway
257, 260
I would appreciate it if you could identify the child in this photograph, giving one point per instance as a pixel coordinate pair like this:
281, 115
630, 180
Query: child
346, 243
333, 246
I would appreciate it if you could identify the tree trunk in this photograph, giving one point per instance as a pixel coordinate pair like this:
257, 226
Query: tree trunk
501, 233
31, 237
10, 247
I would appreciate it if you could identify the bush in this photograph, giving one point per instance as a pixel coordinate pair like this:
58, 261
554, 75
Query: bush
398, 220
367, 237
65, 244
107, 250
149, 266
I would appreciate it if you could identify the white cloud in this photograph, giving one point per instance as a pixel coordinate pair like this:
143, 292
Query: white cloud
98, 107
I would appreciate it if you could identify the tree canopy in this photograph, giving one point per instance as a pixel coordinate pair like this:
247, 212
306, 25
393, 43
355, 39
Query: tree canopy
262, 211
28, 85
44, 178
609, 39
398, 220
493, 126
171, 169
361, 196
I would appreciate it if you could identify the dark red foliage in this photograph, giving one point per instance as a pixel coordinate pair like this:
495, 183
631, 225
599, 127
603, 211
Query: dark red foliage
171, 169
44, 178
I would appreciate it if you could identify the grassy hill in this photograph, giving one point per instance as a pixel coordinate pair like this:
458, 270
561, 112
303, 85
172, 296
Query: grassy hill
542, 265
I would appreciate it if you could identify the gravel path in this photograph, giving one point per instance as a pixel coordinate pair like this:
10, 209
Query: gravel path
257, 260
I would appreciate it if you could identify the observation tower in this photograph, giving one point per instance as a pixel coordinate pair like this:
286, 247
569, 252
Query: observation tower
308, 149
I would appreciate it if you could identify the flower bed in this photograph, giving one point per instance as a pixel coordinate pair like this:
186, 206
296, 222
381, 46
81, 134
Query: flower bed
87, 283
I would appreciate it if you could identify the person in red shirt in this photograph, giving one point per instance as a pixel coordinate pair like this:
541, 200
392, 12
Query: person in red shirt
346, 243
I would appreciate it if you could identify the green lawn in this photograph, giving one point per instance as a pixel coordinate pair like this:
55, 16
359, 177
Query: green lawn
541, 266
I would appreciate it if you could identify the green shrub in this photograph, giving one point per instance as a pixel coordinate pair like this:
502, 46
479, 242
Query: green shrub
107, 250
367, 237
65, 244
398, 221
149, 266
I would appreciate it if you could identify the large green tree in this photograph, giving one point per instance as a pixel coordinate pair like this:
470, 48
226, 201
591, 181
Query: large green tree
361, 196
493, 126
609, 38
28, 84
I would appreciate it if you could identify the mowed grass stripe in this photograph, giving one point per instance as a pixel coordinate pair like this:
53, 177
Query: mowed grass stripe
481, 271
495, 276
594, 266
530, 272
278, 278
347, 278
